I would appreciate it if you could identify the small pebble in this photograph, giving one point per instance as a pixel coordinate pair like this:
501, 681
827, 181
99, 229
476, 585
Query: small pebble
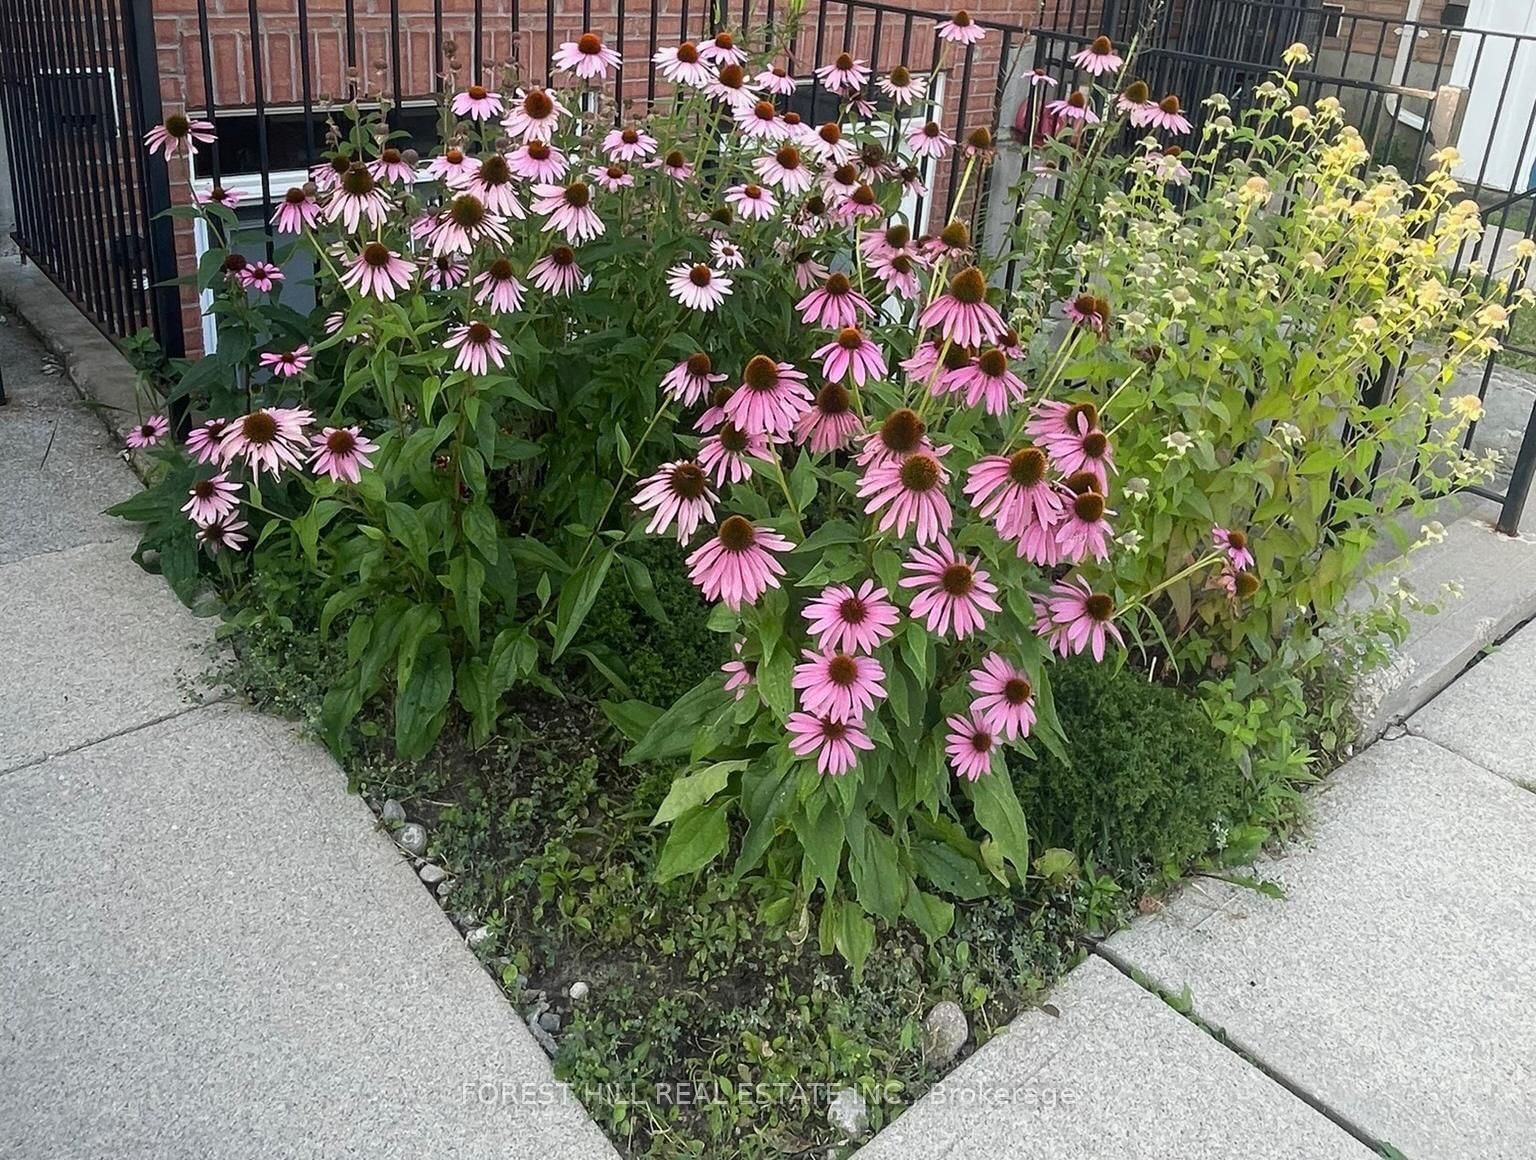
412, 838
432, 873
578, 991
392, 813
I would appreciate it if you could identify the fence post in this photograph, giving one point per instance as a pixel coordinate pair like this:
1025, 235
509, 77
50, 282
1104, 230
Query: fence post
154, 178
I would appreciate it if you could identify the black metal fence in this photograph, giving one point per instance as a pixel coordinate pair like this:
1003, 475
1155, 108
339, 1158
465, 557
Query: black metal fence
82, 80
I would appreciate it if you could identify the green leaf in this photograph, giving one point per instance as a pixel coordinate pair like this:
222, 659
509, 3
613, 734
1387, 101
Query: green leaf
631, 718
773, 682
406, 528
854, 937
696, 839
672, 734
822, 840
695, 789
951, 871
765, 798
998, 811
878, 878
466, 577
419, 704
480, 530
643, 589
419, 622
577, 596
1057, 865
930, 914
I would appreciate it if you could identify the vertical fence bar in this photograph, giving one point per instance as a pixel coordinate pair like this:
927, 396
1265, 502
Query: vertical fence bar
131, 187
307, 82
650, 67
962, 129
104, 189
259, 99
84, 201
549, 42
396, 65
205, 43
106, 142
349, 19
155, 185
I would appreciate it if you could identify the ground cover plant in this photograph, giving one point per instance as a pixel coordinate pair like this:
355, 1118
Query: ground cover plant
904, 593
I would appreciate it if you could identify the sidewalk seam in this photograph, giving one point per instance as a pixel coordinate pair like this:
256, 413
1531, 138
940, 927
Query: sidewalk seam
1339, 1119
124, 732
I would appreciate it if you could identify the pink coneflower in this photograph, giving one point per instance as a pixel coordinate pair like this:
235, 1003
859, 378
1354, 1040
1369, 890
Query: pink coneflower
178, 132
952, 242
845, 75
839, 686
587, 56
570, 210
971, 745
212, 499
895, 238
497, 288
1013, 492
1136, 102
1099, 58
829, 145
1010, 344
990, 382
1039, 78
1235, 545
726, 255
1079, 445
771, 397
677, 492
478, 345
203, 440
683, 65
537, 160
675, 165
334, 321
378, 272
954, 591
725, 454
1088, 310
851, 354
1084, 531
900, 435
1072, 109
912, 182
902, 87
843, 620
222, 533
962, 313
808, 271
911, 493
1166, 115
830, 424
391, 165
266, 439
287, 364
259, 276
834, 305
928, 140
714, 414
899, 273
611, 178
357, 196
697, 286
327, 175
628, 145
535, 115
960, 29
752, 202
149, 432
444, 272
1005, 700
729, 87
861, 203
723, 50
495, 184
464, 224
833, 742
760, 121
735, 566
691, 380
740, 675
922, 362
218, 195
557, 272
296, 211
1075, 618
775, 80
341, 453
453, 166
477, 103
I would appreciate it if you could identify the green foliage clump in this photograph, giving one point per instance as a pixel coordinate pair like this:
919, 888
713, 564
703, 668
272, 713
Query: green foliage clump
654, 660
1150, 781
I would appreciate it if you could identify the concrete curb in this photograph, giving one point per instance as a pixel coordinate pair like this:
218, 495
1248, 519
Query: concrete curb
98, 370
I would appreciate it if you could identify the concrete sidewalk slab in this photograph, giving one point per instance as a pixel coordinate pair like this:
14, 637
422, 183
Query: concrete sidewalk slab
1485, 715
91, 645
1393, 982
211, 951
1497, 575
1118, 1073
